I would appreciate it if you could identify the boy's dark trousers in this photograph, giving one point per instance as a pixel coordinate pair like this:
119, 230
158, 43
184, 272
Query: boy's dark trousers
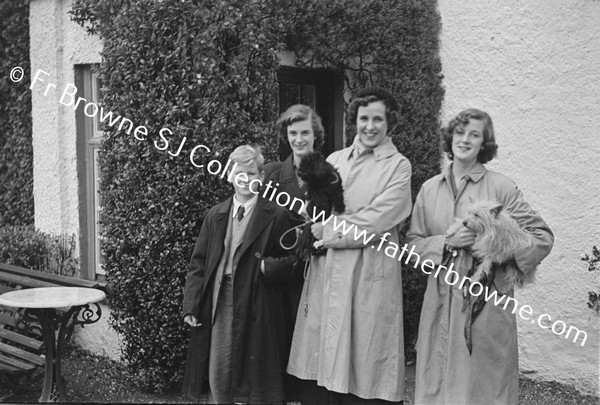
219, 371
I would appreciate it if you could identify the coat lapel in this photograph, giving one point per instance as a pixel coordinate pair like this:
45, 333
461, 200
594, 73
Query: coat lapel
217, 239
262, 216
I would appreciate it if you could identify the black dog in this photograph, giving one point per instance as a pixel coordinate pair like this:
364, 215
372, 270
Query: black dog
324, 192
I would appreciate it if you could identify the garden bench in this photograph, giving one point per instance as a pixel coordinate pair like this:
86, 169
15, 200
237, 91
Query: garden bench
22, 352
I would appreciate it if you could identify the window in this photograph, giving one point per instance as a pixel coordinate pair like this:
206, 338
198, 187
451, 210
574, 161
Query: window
322, 90
89, 139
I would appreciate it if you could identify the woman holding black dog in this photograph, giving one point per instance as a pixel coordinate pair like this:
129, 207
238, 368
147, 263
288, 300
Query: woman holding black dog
301, 128
484, 368
348, 340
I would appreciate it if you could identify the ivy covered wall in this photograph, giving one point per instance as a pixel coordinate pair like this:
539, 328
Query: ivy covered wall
207, 73
16, 152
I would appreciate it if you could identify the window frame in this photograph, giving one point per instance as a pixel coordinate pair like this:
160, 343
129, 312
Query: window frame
89, 140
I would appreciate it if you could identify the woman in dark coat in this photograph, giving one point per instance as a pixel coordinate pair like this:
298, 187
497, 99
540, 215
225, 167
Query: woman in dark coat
300, 127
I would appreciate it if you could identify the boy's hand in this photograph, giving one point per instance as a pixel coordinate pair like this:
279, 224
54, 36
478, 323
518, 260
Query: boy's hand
192, 321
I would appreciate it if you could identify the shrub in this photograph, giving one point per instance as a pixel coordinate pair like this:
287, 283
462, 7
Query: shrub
16, 151
593, 265
207, 71
24, 246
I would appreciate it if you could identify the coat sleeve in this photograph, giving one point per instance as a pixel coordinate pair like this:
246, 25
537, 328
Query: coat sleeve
427, 246
533, 223
279, 264
387, 210
196, 272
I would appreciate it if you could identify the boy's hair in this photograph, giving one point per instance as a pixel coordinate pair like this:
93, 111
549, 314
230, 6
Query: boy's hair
247, 153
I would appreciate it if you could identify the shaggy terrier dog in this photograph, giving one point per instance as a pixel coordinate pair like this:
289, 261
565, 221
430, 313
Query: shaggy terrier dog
497, 238
324, 192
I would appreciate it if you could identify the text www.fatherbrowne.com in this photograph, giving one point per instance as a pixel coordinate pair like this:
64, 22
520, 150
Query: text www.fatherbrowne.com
451, 277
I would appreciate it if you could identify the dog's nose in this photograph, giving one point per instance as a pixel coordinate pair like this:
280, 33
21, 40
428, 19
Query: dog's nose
465, 222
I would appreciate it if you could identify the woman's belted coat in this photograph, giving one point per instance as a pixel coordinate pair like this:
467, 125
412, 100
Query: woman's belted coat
349, 332
446, 372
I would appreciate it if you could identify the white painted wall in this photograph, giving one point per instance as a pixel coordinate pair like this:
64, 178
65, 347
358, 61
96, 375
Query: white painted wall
57, 44
534, 66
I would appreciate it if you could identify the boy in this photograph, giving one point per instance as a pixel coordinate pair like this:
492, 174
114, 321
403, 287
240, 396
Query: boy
232, 299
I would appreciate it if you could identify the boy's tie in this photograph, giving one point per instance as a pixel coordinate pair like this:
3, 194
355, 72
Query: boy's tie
240, 213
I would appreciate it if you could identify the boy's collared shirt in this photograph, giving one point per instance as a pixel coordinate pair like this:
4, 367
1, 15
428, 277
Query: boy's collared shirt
248, 206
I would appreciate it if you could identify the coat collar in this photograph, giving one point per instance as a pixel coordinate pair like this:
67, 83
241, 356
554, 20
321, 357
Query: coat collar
476, 173
382, 151
224, 207
287, 170
248, 206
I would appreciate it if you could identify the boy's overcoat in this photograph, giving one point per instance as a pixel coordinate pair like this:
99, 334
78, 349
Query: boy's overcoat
259, 359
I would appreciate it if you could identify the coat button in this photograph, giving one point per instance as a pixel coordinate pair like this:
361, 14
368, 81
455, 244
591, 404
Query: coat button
257, 255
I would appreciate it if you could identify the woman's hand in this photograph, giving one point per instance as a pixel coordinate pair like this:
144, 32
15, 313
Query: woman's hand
192, 321
317, 231
462, 238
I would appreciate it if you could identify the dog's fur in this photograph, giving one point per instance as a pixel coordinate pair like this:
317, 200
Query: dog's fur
498, 237
324, 189
324, 192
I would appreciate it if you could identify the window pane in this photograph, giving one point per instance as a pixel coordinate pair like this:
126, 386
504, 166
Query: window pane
294, 93
97, 208
96, 97
291, 94
308, 95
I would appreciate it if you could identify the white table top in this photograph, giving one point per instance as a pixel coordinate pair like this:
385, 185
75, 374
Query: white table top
51, 297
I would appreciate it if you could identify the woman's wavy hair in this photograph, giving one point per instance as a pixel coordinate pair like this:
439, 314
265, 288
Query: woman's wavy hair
489, 147
368, 95
301, 112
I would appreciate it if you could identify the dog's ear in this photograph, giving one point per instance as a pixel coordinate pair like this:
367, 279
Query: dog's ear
496, 208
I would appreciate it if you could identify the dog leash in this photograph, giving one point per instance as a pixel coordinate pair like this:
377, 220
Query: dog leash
305, 275
307, 263
297, 237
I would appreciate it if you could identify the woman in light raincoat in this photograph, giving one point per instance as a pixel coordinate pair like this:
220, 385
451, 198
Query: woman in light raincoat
348, 338
446, 372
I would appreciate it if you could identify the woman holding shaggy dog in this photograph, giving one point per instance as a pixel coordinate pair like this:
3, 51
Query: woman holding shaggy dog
447, 373
348, 340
